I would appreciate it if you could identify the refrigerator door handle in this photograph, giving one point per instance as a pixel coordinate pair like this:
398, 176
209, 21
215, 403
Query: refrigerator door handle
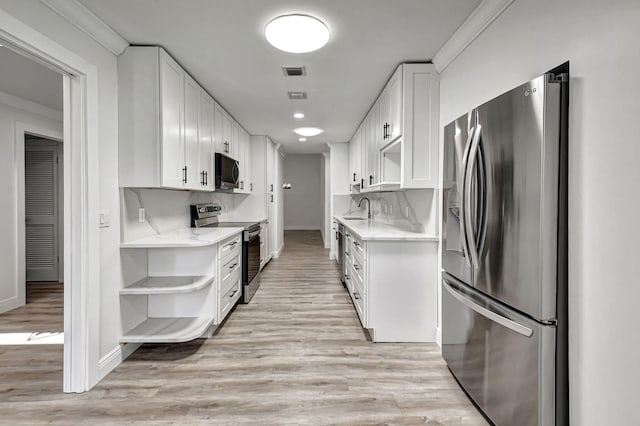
468, 177
465, 160
493, 316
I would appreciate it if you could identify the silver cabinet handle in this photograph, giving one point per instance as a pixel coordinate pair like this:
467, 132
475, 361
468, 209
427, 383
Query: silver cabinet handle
495, 317
233, 266
347, 253
356, 295
347, 276
233, 294
356, 266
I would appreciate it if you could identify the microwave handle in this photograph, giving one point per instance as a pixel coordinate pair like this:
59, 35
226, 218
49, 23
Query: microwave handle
235, 173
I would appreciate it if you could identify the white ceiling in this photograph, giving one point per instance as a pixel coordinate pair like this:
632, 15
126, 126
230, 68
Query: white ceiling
27, 79
221, 44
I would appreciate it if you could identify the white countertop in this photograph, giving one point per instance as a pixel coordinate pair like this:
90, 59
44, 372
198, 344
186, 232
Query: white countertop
373, 230
188, 237
243, 219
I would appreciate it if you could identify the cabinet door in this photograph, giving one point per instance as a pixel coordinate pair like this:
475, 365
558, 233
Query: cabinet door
223, 131
191, 136
353, 177
247, 162
385, 117
239, 150
206, 130
172, 121
373, 148
394, 113
235, 140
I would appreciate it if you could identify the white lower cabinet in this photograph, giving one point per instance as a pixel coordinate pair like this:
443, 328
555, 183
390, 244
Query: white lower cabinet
177, 293
393, 287
230, 275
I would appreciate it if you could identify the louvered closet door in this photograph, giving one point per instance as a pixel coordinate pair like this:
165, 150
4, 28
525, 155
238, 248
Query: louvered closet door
41, 212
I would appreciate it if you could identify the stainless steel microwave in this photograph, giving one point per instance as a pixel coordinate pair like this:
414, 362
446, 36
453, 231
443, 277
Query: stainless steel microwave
227, 172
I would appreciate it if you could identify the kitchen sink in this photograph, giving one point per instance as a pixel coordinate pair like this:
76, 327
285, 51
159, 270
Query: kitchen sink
354, 218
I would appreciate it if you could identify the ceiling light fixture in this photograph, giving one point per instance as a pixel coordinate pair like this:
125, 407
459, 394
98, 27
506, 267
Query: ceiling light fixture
302, 139
308, 131
298, 115
297, 33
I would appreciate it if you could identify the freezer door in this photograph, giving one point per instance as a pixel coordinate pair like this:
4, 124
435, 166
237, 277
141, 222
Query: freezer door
455, 253
516, 171
502, 359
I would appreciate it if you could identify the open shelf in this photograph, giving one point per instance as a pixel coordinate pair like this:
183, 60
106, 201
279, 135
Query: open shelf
168, 285
167, 330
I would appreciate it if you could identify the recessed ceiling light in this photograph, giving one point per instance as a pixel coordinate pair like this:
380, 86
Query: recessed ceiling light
297, 33
302, 139
308, 131
298, 115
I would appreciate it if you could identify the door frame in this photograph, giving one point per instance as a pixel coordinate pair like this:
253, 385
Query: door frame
22, 130
80, 198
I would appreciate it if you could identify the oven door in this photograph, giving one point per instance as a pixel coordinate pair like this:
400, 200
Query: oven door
251, 260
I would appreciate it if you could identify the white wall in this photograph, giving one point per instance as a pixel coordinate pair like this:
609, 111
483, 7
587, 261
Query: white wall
304, 202
9, 116
42, 19
279, 200
601, 41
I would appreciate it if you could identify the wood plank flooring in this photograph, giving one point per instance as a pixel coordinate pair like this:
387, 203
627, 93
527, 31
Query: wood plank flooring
295, 355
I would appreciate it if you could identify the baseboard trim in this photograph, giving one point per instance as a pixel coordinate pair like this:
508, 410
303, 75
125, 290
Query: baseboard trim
279, 251
9, 304
115, 357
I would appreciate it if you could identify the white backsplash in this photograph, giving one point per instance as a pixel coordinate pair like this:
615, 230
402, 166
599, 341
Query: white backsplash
165, 210
414, 209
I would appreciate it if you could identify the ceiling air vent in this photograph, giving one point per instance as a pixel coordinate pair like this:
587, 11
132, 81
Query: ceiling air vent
297, 96
294, 71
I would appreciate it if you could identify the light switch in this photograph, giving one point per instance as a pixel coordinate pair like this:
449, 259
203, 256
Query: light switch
105, 219
141, 215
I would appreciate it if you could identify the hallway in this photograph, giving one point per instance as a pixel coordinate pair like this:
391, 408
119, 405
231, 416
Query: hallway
295, 355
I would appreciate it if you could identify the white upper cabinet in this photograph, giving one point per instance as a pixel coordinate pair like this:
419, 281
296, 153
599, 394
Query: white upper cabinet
205, 155
191, 133
399, 137
169, 126
224, 132
171, 121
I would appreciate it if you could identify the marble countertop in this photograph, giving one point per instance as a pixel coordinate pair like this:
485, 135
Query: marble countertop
188, 237
373, 230
244, 219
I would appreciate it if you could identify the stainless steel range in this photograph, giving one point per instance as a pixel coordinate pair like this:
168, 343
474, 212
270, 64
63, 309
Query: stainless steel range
206, 216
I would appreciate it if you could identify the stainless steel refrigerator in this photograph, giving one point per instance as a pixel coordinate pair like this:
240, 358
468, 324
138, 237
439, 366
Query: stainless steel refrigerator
504, 290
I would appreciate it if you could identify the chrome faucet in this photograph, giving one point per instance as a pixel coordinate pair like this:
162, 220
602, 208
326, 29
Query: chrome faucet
368, 205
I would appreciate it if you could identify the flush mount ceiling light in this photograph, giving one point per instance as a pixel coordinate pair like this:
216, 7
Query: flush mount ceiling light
308, 131
297, 33
302, 139
298, 115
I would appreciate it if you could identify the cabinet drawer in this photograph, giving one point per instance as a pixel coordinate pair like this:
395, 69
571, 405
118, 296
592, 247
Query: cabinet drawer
358, 298
358, 268
230, 246
230, 265
230, 276
357, 254
229, 298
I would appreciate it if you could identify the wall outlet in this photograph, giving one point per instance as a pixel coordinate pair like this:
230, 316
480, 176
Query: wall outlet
141, 215
406, 212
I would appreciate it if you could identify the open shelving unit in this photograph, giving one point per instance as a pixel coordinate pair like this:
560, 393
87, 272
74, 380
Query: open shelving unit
171, 295
168, 330
168, 285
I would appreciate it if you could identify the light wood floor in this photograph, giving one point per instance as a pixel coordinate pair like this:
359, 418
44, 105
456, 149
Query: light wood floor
295, 355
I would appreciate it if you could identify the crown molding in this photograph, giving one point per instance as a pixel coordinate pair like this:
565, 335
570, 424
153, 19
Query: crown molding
87, 22
481, 17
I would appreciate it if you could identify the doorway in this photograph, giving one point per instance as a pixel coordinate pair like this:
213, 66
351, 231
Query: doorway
43, 208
